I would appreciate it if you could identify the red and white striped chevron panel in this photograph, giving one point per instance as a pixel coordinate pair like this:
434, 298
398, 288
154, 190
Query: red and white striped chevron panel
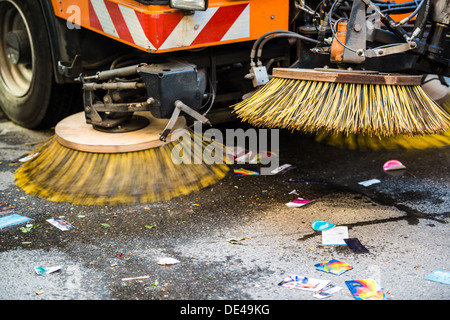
173, 30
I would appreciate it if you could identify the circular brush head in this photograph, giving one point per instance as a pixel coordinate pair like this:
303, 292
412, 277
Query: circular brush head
311, 101
62, 174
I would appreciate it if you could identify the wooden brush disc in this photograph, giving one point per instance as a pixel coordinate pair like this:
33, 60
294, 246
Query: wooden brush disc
345, 76
73, 132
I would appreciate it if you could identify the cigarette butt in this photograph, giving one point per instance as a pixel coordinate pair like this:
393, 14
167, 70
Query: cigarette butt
114, 265
40, 292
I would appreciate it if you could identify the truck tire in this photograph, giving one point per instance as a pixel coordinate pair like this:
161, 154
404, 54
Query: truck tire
29, 95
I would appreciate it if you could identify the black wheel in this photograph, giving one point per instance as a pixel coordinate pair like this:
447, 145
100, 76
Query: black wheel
29, 95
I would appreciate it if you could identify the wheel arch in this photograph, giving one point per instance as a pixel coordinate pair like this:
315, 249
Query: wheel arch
63, 42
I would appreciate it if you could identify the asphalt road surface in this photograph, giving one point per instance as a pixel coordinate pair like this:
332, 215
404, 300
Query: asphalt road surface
237, 240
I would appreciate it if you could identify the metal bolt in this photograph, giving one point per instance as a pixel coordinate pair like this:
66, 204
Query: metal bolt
357, 27
272, 17
196, 27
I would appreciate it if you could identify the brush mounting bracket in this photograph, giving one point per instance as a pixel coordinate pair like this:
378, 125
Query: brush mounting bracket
113, 113
179, 108
158, 88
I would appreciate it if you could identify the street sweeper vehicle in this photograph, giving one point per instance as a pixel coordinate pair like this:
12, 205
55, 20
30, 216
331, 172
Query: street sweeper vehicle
120, 78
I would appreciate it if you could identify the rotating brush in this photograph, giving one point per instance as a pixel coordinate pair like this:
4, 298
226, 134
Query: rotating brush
343, 102
83, 166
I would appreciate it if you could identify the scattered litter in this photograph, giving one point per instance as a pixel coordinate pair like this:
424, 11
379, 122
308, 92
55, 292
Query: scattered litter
333, 266
150, 227
250, 157
12, 219
355, 245
235, 153
106, 225
155, 283
29, 157
7, 208
321, 225
299, 202
28, 228
326, 292
369, 182
44, 271
235, 241
60, 223
245, 172
241, 155
283, 169
304, 283
335, 236
439, 276
167, 261
135, 278
393, 165
294, 192
365, 289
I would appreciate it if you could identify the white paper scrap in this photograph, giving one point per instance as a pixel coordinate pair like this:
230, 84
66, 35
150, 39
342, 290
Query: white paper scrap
282, 169
326, 292
168, 261
369, 182
335, 236
304, 283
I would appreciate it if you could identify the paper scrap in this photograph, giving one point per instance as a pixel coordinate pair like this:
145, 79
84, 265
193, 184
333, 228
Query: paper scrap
43, 271
299, 202
333, 266
28, 157
12, 219
245, 172
326, 292
393, 165
304, 283
60, 223
365, 289
355, 245
282, 169
369, 182
7, 208
335, 236
241, 155
439, 276
167, 261
319, 225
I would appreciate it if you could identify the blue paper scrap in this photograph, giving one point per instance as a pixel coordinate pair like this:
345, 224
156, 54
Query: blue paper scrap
12, 219
319, 225
439, 276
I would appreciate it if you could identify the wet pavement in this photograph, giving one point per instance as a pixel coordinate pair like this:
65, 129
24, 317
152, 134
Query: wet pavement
402, 221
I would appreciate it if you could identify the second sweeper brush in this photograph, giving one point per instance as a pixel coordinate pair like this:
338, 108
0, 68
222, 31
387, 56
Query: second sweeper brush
342, 101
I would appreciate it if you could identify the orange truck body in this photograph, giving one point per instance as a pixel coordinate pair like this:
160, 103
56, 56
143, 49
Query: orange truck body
159, 28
